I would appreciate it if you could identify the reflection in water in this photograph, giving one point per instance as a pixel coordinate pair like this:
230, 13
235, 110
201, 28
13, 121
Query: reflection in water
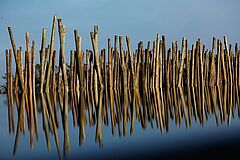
148, 86
146, 106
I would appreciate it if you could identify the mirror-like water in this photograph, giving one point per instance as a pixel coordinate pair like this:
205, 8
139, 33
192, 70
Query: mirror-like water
145, 136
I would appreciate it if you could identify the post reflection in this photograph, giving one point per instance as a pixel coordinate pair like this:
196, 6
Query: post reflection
146, 107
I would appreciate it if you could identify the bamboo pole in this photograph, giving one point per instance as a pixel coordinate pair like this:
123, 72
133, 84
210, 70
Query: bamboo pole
54, 88
110, 57
168, 66
51, 52
133, 70
105, 96
16, 81
19, 54
177, 63
223, 63
147, 52
218, 61
11, 90
42, 58
82, 98
173, 65
238, 68
202, 78
72, 86
213, 68
154, 64
34, 89
188, 67
182, 61
8, 92
206, 68
236, 64
29, 87
62, 35
124, 70
88, 90
164, 54
46, 64
228, 58
17, 61
161, 68
193, 64
157, 61
94, 39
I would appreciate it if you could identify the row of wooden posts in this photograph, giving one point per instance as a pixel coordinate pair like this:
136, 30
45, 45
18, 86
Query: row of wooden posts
150, 67
119, 71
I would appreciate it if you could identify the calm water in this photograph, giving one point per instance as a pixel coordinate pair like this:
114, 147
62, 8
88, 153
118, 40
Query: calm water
178, 142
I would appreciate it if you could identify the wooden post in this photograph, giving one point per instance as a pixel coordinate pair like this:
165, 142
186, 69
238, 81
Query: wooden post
182, 61
157, 61
130, 55
42, 58
206, 70
46, 64
110, 79
177, 63
154, 65
54, 88
228, 58
23, 104
164, 54
236, 64
142, 53
161, 69
213, 68
18, 67
94, 38
105, 84
147, 59
110, 58
29, 87
218, 61
51, 52
201, 76
34, 90
124, 70
223, 63
193, 64
173, 64
11, 90
238, 68
72, 85
62, 35
8, 92
188, 68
